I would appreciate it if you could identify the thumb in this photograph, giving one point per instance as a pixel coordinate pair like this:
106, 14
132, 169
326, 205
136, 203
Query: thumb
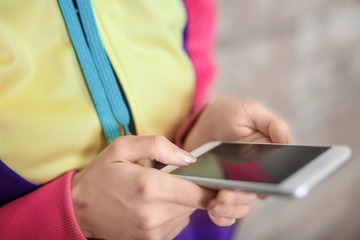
271, 126
279, 131
156, 147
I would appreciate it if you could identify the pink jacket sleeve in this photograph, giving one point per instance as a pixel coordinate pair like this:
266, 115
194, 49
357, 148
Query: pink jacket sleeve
46, 213
199, 43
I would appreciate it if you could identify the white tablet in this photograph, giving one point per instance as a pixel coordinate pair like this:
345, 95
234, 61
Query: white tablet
290, 170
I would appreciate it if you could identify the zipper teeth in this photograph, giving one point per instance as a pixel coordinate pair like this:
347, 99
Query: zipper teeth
91, 72
103, 65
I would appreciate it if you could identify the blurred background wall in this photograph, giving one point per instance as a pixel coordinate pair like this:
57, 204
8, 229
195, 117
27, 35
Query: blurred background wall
301, 59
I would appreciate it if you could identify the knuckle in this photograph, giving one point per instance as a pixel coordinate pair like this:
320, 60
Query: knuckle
157, 143
146, 223
145, 188
245, 211
225, 196
114, 146
158, 140
119, 143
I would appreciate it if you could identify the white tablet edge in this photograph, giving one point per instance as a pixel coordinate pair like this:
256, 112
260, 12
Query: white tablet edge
301, 182
297, 185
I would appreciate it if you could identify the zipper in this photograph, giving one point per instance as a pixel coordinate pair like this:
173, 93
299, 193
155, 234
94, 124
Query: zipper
108, 96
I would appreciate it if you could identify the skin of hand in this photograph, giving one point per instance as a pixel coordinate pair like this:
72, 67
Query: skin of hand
229, 119
114, 197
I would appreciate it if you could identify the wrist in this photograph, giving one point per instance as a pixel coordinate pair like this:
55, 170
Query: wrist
80, 206
182, 135
199, 134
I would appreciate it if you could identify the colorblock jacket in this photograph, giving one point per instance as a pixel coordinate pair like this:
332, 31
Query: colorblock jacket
161, 54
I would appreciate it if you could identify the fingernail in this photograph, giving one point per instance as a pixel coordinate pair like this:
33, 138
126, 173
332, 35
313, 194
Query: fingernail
185, 156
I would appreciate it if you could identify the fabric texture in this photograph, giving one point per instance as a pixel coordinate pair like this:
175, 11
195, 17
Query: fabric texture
144, 42
45, 105
89, 66
46, 213
12, 185
200, 39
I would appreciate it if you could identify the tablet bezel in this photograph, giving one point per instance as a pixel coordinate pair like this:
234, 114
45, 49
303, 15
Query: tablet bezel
296, 185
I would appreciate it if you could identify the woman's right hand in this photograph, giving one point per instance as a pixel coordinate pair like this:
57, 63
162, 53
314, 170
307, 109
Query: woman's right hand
115, 198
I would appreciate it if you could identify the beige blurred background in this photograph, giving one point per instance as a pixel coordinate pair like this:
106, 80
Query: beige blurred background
300, 58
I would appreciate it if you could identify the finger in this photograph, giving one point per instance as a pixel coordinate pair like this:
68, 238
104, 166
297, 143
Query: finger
230, 211
279, 131
221, 221
256, 137
183, 192
232, 197
157, 186
135, 148
231, 204
272, 126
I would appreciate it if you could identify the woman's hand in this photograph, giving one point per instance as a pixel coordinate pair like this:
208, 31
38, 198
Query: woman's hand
116, 198
231, 119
